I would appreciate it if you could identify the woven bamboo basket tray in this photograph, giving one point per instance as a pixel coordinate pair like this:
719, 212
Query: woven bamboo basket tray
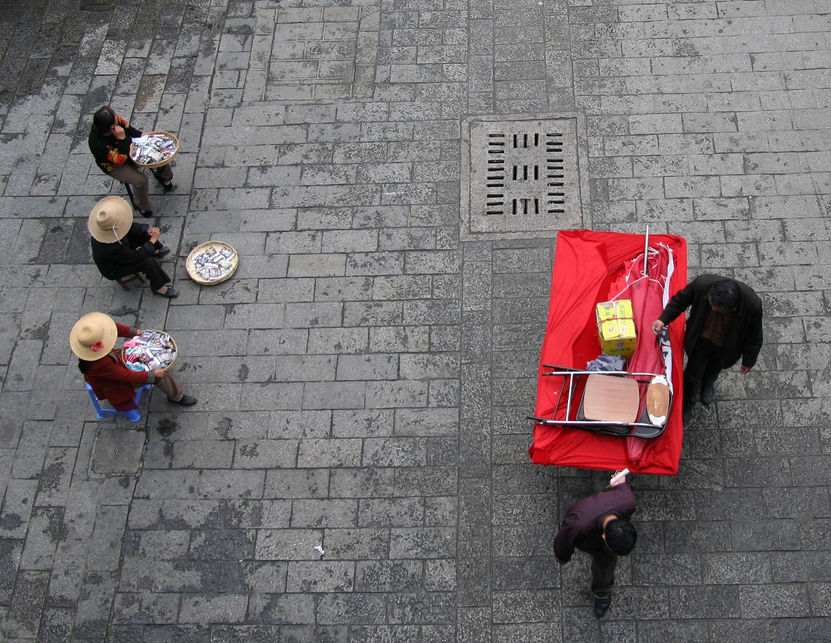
163, 162
175, 350
199, 269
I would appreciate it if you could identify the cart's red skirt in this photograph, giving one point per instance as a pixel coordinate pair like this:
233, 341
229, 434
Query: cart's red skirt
588, 265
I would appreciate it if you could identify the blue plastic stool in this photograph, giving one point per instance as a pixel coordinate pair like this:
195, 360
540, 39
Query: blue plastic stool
133, 415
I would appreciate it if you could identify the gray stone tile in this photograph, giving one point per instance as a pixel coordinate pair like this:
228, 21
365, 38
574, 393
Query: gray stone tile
288, 544
45, 531
321, 576
17, 508
167, 544
291, 483
421, 542
23, 616
226, 608
262, 454
117, 451
144, 608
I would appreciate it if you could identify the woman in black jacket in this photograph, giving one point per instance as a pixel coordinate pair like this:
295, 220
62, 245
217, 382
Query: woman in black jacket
121, 247
109, 142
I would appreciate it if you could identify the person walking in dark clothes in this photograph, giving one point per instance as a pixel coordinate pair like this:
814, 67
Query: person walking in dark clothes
599, 525
121, 247
725, 324
109, 141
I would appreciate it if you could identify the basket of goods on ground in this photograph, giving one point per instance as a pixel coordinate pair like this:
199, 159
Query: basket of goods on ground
151, 350
212, 262
154, 149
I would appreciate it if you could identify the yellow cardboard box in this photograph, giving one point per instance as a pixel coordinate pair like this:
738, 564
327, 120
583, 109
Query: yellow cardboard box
616, 328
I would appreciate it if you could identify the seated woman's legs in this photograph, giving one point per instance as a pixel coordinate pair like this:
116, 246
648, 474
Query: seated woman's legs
155, 274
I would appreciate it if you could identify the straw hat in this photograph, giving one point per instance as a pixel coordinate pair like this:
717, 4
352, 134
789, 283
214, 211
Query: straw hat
110, 219
93, 336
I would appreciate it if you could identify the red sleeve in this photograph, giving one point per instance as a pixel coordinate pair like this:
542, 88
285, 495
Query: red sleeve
123, 331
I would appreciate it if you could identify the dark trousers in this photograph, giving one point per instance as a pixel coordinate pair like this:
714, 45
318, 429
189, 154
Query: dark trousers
703, 367
603, 570
150, 267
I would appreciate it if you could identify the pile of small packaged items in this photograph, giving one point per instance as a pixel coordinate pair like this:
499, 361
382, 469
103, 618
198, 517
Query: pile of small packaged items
152, 148
213, 263
149, 351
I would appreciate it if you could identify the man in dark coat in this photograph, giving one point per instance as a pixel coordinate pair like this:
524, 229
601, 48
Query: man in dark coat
121, 247
599, 525
725, 324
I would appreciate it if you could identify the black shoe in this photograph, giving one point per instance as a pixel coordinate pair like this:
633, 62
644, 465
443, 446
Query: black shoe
170, 293
186, 400
162, 252
601, 604
146, 213
708, 394
168, 187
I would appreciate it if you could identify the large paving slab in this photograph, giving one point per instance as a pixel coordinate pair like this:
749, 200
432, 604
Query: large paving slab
356, 468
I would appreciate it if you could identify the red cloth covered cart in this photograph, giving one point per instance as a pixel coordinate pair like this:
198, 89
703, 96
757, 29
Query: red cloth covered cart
608, 419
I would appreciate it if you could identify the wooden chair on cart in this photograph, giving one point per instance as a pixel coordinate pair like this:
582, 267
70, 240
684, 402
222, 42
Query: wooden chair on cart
612, 402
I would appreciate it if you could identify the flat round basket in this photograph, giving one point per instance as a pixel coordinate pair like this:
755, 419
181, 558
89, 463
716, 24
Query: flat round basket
159, 149
151, 350
212, 262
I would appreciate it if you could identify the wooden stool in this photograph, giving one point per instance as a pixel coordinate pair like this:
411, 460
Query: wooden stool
122, 281
610, 398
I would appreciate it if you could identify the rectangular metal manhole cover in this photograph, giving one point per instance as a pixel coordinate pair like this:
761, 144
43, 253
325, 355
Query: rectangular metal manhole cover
523, 176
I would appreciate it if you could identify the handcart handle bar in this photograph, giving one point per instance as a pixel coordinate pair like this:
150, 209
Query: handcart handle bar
562, 370
539, 420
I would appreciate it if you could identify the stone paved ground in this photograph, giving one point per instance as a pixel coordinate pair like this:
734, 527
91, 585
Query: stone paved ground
364, 378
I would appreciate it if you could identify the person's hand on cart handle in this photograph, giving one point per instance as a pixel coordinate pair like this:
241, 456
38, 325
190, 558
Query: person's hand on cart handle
657, 326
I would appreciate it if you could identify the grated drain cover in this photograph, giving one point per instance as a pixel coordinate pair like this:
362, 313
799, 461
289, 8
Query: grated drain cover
523, 176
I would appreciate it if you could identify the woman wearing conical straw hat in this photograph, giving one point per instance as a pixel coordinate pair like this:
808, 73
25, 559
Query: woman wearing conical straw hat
92, 339
121, 247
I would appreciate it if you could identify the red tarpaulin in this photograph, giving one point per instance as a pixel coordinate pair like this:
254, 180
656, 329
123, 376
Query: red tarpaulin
589, 267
